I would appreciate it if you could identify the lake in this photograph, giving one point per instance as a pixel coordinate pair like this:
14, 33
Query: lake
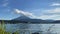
27, 28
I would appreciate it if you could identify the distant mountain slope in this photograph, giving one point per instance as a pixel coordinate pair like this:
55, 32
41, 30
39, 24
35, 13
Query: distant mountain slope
22, 18
27, 19
57, 21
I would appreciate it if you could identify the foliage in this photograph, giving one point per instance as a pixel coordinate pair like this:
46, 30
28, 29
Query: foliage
2, 28
2, 31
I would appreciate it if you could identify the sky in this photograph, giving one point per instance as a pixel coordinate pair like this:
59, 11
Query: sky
37, 9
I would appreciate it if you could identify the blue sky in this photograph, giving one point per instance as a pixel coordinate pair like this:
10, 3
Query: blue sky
41, 9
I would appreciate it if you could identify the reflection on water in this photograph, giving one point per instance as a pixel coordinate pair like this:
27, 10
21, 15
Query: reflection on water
33, 28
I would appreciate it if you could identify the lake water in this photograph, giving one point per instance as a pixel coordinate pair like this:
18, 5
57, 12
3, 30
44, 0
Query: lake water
32, 27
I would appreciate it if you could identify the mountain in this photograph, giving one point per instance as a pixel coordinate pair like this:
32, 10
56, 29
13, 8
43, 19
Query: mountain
56, 21
49, 20
26, 19
22, 18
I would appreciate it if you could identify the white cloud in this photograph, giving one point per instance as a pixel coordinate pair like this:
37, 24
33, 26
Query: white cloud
23, 12
55, 4
54, 17
44, 15
31, 15
50, 14
55, 10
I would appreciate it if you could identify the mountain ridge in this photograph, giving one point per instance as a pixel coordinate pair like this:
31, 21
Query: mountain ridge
27, 19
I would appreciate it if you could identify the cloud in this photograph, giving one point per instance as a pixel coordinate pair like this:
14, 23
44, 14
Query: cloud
54, 14
28, 14
51, 14
54, 17
53, 11
23, 12
5, 3
55, 4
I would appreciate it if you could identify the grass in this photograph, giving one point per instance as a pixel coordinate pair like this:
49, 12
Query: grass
3, 29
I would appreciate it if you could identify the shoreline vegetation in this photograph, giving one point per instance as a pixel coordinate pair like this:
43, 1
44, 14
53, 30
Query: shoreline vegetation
3, 29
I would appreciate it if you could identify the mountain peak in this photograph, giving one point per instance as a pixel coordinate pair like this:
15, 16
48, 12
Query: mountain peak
22, 18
